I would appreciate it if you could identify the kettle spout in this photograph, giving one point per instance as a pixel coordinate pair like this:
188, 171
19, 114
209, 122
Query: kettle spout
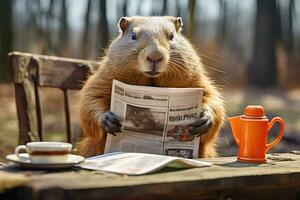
235, 123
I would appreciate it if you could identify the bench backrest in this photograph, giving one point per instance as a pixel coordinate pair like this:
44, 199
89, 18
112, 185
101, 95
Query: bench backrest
31, 71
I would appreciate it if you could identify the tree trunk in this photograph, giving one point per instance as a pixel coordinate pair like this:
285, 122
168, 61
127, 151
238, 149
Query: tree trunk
5, 37
290, 35
49, 17
178, 9
124, 8
64, 30
164, 8
103, 32
222, 22
262, 69
192, 7
85, 44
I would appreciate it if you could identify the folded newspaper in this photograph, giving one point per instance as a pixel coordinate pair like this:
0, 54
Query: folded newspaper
155, 120
137, 163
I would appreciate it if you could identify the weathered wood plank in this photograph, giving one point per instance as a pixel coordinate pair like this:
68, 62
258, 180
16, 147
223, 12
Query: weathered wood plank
25, 98
226, 179
64, 73
27, 131
189, 190
38, 109
67, 116
68, 75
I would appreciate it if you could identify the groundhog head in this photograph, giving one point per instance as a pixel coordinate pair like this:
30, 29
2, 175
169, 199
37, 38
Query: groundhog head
146, 44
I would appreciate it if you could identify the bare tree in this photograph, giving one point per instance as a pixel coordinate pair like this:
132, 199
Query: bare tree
164, 8
178, 9
222, 21
85, 44
290, 34
192, 7
102, 33
6, 37
49, 17
262, 69
124, 7
64, 30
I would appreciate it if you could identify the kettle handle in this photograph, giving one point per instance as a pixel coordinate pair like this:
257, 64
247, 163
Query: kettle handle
235, 126
280, 135
236, 138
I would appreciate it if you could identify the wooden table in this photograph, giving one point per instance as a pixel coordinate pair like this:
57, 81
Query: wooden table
226, 179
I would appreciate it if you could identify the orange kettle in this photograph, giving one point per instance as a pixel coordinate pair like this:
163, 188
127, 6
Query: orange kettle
250, 132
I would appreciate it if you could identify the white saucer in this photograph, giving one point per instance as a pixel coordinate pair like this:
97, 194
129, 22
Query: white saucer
24, 161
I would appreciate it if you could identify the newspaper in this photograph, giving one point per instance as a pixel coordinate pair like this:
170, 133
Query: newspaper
137, 163
155, 120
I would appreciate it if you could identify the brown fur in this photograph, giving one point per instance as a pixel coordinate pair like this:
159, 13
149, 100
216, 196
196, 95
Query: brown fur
183, 68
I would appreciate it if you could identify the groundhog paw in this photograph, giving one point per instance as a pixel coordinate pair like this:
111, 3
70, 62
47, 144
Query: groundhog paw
201, 125
111, 122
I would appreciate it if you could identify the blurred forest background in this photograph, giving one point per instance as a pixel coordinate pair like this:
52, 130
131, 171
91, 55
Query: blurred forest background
250, 47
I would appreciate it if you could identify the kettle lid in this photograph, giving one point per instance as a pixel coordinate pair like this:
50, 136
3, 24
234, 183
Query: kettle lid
254, 111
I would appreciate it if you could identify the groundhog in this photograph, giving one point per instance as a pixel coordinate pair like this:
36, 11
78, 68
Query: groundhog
149, 51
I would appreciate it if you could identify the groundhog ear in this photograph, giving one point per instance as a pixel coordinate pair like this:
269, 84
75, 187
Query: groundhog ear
178, 23
123, 24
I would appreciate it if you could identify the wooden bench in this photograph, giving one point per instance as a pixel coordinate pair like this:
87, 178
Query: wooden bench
31, 71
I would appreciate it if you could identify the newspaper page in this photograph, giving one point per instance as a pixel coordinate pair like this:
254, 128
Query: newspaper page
155, 120
137, 163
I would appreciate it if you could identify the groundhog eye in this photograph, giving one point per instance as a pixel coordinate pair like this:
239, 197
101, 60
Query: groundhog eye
133, 36
171, 36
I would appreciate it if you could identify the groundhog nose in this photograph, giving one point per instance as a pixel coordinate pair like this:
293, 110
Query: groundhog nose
155, 60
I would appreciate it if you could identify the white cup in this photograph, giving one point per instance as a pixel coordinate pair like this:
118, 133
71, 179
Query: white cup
46, 152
